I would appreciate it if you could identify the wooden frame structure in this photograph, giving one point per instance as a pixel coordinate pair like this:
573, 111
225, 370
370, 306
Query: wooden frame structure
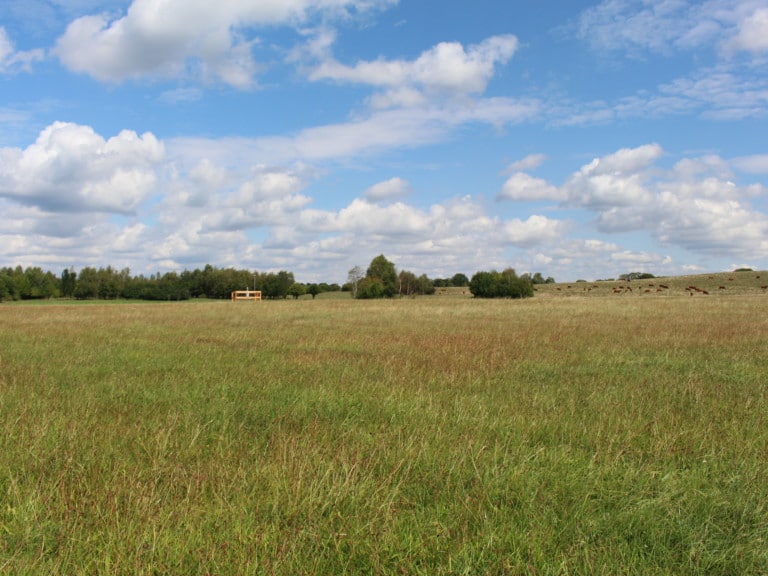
245, 295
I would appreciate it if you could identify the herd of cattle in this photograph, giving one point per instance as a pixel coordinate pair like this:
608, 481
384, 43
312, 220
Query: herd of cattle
718, 283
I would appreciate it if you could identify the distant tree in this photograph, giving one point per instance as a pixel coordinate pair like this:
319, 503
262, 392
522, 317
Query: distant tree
459, 280
369, 288
636, 276
87, 286
505, 284
297, 290
353, 279
68, 281
383, 270
314, 290
406, 283
277, 285
483, 285
424, 285
5, 285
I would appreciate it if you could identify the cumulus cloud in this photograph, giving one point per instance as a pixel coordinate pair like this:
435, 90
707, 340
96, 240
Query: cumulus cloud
72, 168
613, 180
533, 231
171, 37
522, 186
445, 69
752, 33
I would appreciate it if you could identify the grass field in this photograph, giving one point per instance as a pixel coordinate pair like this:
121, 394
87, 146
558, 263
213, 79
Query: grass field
615, 434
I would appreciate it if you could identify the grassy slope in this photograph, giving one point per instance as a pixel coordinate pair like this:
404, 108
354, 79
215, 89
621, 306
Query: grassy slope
715, 284
426, 436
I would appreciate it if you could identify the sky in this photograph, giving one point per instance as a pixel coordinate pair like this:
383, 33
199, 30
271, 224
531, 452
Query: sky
578, 139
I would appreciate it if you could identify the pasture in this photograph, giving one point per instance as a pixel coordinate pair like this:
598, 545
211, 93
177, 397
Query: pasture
600, 435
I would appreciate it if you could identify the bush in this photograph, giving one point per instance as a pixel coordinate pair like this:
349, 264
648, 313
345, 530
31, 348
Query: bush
504, 284
369, 288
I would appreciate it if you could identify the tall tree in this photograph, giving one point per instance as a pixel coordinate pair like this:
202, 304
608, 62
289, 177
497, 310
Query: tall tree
383, 270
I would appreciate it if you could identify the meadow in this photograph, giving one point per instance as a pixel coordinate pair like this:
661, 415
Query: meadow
436, 435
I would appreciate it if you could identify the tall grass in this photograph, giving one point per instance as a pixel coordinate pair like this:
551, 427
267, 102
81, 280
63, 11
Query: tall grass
427, 436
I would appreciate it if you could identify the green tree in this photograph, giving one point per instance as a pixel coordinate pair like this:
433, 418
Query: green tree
297, 290
5, 285
277, 285
383, 270
87, 286
369, 288
483, 285
459, 280
424, 285
504, 284
68, 281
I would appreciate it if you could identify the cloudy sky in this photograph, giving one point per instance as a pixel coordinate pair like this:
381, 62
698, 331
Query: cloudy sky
579, 139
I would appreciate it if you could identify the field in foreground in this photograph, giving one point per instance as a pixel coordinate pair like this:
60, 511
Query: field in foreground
426, 436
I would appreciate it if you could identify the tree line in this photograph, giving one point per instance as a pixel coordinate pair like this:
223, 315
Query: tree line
108, 283
380, 280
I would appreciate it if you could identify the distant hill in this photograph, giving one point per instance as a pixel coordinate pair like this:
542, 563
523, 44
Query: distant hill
701, 285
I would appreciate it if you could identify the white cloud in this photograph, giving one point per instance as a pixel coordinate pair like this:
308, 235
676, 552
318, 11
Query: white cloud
445, 69
613, 180
752, 35
380, 131
722, 92
72, 168
172, 37
530, 162
388, 190
521, 186
534, 231
757, 163
12, 60
661, 26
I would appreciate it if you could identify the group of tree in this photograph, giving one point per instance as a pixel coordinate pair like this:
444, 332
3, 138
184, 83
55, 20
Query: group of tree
380, 280
636, 276
108, 283
505, 284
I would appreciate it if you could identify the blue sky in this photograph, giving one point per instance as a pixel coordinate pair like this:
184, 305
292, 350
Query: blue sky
579, 139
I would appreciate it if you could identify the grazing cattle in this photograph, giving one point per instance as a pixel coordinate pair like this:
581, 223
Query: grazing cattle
662, 286
764, 287
721, 287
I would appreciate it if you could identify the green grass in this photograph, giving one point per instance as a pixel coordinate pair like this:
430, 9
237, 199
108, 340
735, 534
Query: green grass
417, 436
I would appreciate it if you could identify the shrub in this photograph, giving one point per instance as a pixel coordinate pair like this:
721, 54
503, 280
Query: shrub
504, 284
